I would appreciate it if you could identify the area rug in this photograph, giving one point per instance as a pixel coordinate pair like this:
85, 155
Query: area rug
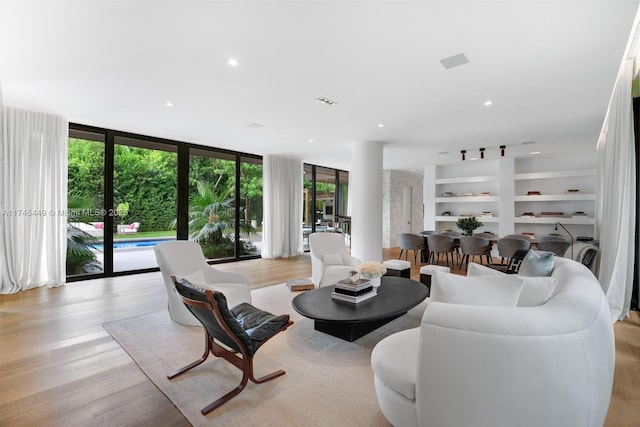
329, 381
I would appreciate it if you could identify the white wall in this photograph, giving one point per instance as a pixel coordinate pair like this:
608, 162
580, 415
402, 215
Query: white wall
392, 185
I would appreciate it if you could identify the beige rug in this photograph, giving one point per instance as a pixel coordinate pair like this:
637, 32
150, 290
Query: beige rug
329, 382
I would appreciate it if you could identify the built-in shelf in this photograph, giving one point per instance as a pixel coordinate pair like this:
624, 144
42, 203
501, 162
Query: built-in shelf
553, 220
555, 174
466, 179
454, 218
555, 197
508, 180
465, 199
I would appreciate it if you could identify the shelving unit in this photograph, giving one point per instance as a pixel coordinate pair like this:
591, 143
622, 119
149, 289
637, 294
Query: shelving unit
553, 176
472, 178
509, 180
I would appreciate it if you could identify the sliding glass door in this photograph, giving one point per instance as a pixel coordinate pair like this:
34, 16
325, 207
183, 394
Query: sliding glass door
144, 204
85, 201
212, 207
325, 204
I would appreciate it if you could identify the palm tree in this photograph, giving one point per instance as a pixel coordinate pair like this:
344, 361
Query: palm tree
212, 220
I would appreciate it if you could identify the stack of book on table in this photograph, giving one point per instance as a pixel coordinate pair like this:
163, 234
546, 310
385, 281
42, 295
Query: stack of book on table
353, 292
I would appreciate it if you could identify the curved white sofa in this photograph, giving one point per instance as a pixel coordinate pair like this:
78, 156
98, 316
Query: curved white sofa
548, 365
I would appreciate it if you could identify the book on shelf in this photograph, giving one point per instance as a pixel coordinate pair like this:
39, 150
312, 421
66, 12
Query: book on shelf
552, 214
352, 299
485, 193
295, 285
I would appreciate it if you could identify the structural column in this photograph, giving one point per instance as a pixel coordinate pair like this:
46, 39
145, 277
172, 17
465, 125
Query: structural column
366, 201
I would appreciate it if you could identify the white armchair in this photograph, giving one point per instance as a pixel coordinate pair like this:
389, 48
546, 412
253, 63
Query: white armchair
330, 261
184, 259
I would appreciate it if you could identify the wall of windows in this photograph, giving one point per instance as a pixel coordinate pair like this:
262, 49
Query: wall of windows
128, 193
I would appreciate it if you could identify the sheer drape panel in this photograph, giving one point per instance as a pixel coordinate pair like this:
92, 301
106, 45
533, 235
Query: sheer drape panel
616, 199
34, 198
282, 200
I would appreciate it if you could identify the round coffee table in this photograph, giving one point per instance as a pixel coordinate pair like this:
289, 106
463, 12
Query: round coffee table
396, 295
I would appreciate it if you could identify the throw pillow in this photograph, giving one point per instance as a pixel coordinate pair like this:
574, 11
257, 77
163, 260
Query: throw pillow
496, 291
535, 290
346, 258
516, 260
536, 265
332, 259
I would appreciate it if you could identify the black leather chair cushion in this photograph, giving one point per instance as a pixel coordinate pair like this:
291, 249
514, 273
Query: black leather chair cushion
249, 324
258, 324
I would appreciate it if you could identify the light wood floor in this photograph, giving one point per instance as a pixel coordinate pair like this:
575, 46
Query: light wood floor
59, 367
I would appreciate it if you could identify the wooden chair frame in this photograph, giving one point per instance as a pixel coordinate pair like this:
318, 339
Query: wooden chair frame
244, 363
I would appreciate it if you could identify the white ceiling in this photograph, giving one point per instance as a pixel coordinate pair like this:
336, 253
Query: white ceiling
548, 67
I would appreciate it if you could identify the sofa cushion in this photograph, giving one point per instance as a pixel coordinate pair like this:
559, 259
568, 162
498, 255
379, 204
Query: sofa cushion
333, 259
535, 290
536, 265
395, 361
497, 291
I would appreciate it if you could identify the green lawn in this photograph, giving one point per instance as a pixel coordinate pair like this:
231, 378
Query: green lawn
143, 234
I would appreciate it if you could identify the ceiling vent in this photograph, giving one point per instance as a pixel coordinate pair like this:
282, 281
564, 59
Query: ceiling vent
454, 61
255, 125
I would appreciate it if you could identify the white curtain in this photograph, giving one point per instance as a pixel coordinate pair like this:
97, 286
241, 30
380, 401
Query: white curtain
33, 231
282, 203
616, 198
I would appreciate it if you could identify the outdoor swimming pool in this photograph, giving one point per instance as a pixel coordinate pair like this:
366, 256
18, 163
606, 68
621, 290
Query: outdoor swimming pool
130, 244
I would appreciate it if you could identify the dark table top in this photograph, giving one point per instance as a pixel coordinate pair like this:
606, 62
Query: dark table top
396, 295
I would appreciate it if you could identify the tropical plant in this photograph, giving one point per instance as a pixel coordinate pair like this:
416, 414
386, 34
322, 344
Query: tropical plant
80, 257
468, 224
212, 220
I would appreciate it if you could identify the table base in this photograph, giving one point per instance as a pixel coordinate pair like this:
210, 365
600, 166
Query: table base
351, 331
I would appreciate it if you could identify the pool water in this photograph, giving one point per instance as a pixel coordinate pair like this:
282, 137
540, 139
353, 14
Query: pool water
130, 244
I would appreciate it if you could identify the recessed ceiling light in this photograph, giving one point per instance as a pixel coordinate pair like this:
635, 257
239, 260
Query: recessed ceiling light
326, 101
528, 142
488, 103
534, 152
169, 104
443, 152
380, 125
232, 62
473, 158
311, 140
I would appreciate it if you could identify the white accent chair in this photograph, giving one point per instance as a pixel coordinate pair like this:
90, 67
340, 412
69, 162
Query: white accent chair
184, 260
330, 261
469, 365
